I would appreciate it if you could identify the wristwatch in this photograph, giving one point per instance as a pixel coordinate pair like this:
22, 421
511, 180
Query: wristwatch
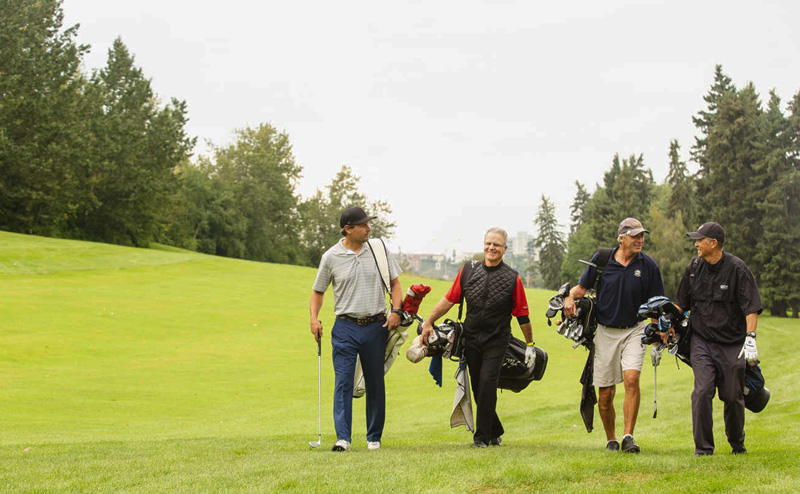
752, 334
399, 312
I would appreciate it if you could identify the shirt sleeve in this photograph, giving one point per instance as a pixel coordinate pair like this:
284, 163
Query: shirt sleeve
749, 298
589, 274
394, 268
323, 275
656, 283
683, 297
520, 307
453, 295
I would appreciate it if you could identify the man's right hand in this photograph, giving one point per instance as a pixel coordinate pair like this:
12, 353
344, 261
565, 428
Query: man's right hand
427, 331
316, 329
569, 307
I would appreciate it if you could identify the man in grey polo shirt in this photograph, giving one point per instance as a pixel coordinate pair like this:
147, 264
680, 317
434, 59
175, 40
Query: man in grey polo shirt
361, 326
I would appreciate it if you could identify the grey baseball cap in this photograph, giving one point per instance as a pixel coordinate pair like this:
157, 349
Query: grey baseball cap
632, 227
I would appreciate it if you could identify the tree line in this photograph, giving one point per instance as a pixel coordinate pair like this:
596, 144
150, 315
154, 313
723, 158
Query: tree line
747, 179
100, 157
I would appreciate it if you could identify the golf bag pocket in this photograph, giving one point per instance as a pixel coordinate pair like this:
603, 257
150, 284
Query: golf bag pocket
515, 375
457, 350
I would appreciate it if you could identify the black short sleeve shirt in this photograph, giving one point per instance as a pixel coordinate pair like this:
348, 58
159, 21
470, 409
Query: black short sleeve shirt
719, 296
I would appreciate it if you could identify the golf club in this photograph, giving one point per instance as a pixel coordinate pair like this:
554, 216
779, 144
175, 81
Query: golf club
655, 391
315, 444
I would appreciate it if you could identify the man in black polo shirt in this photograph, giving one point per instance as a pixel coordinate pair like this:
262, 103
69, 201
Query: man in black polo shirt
630, 278
721, 293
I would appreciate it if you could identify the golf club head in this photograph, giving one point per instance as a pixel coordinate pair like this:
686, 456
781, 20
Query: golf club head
314, 444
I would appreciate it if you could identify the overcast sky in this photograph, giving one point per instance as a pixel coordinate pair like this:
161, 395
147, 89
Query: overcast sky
460, 114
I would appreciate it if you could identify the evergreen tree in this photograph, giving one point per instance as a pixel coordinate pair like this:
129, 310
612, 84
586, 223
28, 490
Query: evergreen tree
578, 208
793, 156
136, 148
778, 177
549, 244
681, 187
667, 243
42, 117
704, 119
731, 189
626, 193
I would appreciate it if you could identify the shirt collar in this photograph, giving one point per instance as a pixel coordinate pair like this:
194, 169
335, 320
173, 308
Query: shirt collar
344, 251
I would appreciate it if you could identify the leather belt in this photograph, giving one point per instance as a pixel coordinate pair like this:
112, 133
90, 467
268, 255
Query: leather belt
628, 327
363, 321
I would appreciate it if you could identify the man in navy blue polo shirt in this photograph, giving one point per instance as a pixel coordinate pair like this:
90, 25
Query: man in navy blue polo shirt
630, 278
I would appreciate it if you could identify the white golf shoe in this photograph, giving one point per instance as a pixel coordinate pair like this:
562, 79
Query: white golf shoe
341, 445
373, 445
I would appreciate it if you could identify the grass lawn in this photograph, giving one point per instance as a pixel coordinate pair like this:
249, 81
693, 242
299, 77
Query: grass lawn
160, 370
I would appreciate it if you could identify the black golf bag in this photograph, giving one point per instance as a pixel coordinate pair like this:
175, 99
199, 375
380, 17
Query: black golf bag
582, 327
756, 395
515, 375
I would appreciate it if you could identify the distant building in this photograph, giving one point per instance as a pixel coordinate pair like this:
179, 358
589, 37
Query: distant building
436, 266
518, 246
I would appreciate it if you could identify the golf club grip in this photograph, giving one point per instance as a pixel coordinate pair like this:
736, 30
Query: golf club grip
319, 342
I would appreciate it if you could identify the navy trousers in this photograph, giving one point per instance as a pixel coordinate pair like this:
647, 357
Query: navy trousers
350, 340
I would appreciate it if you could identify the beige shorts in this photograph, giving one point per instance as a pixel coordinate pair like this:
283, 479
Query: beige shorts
615, 351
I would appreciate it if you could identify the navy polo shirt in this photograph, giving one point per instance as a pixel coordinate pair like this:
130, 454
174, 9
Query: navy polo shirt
622, 289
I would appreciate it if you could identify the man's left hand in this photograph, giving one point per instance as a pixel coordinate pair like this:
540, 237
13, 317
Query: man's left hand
393, 321
530, 356
749, 350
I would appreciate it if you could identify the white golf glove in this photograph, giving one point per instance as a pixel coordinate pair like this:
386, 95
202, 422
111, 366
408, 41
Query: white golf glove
749, 350
530, 356
655, 354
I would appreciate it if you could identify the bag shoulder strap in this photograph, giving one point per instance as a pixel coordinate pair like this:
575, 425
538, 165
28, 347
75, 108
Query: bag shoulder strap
603, 256
466, 274
381, 256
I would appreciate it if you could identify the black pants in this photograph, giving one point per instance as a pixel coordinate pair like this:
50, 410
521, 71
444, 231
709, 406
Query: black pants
717, 366
484, 366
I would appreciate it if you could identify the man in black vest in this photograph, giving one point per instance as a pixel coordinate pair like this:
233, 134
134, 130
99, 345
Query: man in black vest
494, 293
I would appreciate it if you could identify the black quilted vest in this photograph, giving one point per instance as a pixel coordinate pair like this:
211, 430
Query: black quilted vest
489, 294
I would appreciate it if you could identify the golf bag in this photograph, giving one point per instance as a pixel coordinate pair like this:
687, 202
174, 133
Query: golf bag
410, 306
515, 375
668, 315
446, 341
756, 395
582, 327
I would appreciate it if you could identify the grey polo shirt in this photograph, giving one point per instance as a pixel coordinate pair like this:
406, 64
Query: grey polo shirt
357, 287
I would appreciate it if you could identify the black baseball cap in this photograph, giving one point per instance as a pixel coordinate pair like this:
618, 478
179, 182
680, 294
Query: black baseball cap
709, 230
354, 216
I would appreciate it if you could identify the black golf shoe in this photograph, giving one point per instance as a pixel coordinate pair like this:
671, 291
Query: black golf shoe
629, 445
612, 445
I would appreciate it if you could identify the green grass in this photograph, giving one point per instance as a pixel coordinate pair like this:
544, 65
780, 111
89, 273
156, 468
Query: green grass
160, 370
